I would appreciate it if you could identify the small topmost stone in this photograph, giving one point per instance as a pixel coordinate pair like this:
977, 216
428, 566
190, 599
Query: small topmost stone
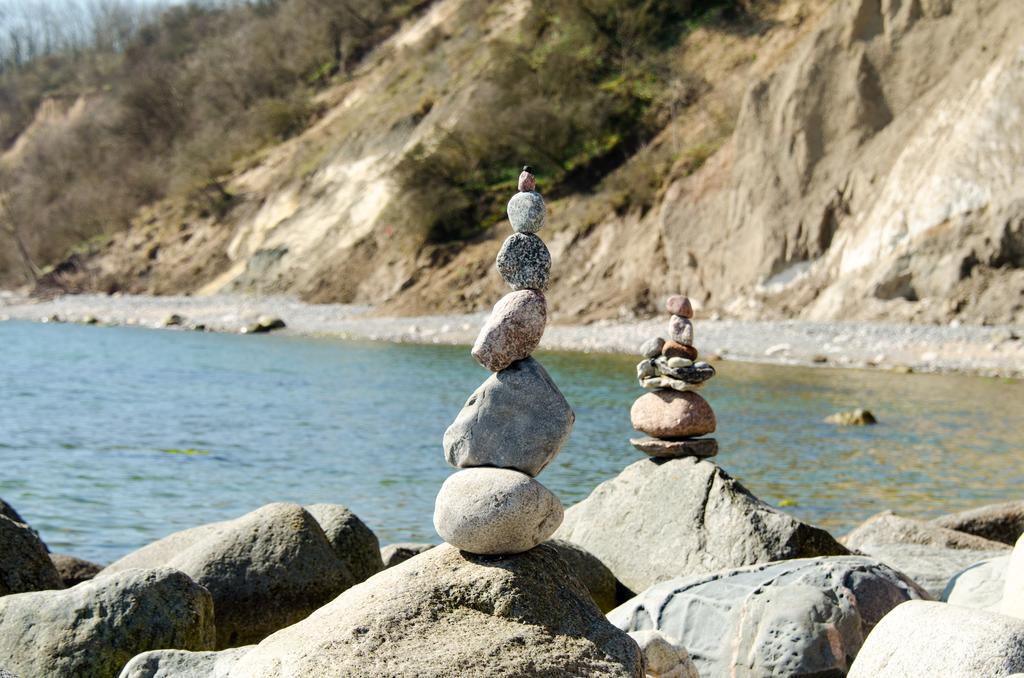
527, 182
679, 305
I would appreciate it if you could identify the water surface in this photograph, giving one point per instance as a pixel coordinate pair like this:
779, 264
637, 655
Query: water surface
113, 437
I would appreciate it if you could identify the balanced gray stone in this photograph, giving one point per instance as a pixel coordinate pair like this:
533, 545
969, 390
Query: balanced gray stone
927, 553
184, 664
680, 329
652, 347
524, 262
25, 564
665, 658
494, 511
266, 570
979, 585
592, 573
526, 212
659, 520
396, 554
512, 331
676, 449
74, 570
95, 628
353, 542
516, 419
805, 617
694, 373
998, 522
448, 613
921, 638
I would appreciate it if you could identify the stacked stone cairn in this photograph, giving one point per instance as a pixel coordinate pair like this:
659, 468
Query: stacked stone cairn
515, 423
673, 415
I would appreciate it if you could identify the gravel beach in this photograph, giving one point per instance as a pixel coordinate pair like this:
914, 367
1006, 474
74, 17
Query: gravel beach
989, 351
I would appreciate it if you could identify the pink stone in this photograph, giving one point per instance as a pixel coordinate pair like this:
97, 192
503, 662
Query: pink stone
527, 182
672, 414
513, 330
677, 304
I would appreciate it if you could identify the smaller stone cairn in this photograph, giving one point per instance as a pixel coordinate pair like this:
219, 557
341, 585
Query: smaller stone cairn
515, 423
673, 415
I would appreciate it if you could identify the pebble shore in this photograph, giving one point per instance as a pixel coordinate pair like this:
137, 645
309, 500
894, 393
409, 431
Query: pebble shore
988, 351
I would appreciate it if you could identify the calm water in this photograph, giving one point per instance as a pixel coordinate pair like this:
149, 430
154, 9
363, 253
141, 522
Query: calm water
88, 414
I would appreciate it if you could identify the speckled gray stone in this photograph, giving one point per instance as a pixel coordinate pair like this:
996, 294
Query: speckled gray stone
524, 262
493, 511
516, 419
652, 347
526, 212
681, 330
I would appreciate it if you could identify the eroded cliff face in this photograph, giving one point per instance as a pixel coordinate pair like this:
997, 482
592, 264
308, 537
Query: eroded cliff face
864, 159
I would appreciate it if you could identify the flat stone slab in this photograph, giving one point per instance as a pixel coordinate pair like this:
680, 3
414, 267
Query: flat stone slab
675, 449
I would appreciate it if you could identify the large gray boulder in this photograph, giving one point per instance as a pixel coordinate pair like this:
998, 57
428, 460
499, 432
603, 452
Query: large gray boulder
979, 585
999, 522
74, 570
184, 664
663, 519
806, 617
516, 419
446, 613
592, 573
354, 542
928, 554
921, 638
95, 628
24, 562
266, 570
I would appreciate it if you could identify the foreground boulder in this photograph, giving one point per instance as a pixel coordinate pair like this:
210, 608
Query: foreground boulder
921, 638
999, 522
662, 519
354, 542
184, 664
979, 585
74, 570
266, 570
95, 628
928, 554
805, 617
592, 573
396, 554
453, 614
24, 562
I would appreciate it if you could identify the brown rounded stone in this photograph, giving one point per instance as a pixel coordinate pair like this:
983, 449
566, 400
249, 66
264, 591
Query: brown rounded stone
673, 349
674, 449
672, 414
677, 304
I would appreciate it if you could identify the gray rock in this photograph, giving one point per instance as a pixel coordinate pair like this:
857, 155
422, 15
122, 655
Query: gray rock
646, 369
681, 330
495, 511
184, 664
694, 373
524, 262
998, 522
928, 554
25, 564
652, 347
979, 585
676, 449
1013, 590
676, 363
921, 638
526, 212
857, 417
659, 383
447, 613
4, 673
516, 419
806, 617
592, 573
512, 331
354, 543
396, 554
74, 570
665, 658
659, 520
266, 570
95, 628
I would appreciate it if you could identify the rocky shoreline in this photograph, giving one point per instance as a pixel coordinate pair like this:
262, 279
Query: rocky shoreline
995, 351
